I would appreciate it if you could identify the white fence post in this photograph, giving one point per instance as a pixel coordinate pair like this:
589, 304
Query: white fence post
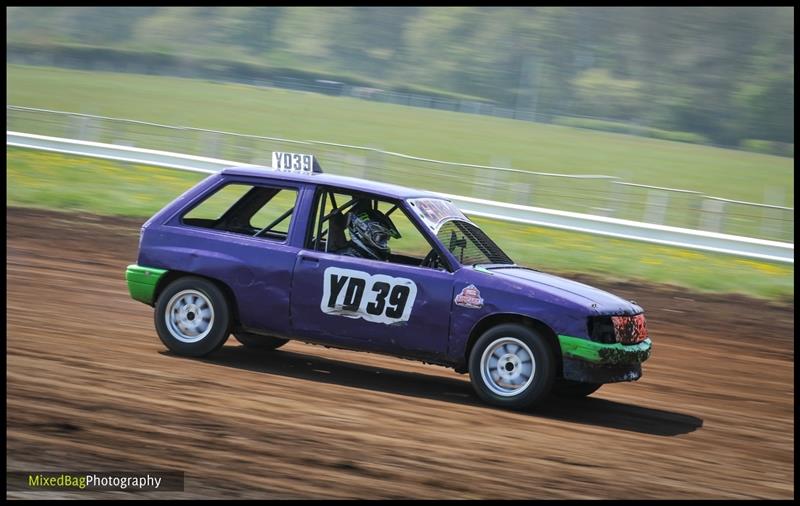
712, 214
656, 206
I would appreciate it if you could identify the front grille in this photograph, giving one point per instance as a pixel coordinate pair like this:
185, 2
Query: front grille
630, 329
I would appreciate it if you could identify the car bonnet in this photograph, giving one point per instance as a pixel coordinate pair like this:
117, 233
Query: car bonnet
600, 301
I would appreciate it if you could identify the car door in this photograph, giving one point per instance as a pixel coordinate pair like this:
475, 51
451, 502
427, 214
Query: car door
391, 306
372, 304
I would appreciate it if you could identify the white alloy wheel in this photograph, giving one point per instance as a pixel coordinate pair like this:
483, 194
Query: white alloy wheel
507, 366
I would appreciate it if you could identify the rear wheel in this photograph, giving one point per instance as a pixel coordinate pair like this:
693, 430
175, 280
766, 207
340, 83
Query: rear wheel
259, 342
574, 389
192, 317
512, 366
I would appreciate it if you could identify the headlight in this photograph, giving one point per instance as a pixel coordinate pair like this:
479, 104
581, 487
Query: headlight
618, 329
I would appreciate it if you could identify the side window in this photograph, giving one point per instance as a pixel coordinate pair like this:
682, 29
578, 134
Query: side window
330, 232
275, 209
411, 242
321, 237
212, 208
254, 210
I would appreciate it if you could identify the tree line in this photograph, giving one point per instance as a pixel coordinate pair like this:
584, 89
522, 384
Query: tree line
726, 73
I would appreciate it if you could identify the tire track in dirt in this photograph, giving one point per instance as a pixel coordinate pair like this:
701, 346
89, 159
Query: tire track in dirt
91, 387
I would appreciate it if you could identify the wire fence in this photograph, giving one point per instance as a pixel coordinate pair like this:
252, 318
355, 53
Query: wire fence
595, 194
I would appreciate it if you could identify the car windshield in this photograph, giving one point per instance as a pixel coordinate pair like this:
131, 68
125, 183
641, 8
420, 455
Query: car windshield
469, 244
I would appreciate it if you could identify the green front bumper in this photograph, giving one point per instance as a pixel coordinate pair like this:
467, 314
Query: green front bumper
604, 354
142, 282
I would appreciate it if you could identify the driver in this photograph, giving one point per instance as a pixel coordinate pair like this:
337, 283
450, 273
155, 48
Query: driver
370, 231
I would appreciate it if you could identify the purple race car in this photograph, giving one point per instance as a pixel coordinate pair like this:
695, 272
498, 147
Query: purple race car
290, 253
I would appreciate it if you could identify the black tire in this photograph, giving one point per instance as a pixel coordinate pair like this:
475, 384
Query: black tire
259, 342
199, 294
574, 389
532, 391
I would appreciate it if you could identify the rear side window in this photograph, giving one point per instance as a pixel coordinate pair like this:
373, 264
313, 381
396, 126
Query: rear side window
214, 206
258, 211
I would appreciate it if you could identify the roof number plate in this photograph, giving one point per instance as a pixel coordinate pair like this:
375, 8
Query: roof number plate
293, 162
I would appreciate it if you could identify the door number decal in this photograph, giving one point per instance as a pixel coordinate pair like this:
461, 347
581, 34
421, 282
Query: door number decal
376, 298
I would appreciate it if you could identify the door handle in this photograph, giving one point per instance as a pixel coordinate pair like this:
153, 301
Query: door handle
308, 258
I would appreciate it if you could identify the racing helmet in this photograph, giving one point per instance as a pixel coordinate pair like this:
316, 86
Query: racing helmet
370, 230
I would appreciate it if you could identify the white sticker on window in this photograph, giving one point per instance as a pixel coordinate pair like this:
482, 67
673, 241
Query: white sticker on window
377, 298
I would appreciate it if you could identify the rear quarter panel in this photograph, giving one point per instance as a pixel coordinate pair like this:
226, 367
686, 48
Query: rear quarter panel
257, 271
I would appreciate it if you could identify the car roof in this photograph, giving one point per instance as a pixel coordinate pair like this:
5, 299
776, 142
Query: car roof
325, 179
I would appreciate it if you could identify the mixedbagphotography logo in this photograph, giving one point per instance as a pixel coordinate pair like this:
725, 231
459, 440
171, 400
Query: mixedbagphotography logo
123, 481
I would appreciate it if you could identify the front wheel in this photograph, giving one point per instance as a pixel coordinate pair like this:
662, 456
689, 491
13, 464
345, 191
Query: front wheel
192, 317
512, 366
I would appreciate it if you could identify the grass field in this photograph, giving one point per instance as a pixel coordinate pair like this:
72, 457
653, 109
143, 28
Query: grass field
49, 180
422, 132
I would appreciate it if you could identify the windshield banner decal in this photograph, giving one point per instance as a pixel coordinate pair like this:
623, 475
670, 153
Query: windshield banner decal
435, 212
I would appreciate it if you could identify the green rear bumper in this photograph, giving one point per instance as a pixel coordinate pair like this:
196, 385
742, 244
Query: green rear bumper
142, 282
604, 354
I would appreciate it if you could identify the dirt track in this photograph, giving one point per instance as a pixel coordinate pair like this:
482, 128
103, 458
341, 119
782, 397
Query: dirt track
90, 387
